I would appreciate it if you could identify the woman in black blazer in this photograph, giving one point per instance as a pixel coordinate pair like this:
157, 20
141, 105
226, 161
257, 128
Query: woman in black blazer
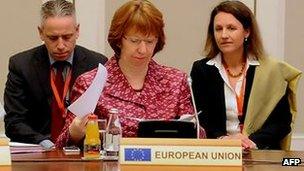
242, 93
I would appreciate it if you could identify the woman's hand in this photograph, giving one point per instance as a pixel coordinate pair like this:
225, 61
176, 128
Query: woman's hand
77, 128
246, 142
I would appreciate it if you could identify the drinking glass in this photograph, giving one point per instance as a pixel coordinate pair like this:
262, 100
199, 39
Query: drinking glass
102, 125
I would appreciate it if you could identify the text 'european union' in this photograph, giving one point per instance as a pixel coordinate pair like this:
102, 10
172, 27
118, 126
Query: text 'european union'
137, 154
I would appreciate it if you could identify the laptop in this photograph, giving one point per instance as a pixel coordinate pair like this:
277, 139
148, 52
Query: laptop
166, 129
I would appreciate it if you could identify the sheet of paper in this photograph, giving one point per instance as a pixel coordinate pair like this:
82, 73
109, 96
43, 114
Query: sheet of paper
87, 102
18, 150
16, 147
18, 144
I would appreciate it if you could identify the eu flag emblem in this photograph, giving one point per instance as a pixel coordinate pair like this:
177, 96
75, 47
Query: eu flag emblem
137, 154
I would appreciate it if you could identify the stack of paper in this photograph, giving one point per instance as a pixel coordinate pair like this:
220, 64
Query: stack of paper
16, 147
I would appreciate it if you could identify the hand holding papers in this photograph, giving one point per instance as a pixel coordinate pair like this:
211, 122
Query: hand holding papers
87, 102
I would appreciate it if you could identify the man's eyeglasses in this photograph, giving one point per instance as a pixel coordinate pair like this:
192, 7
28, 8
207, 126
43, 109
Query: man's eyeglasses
136, 41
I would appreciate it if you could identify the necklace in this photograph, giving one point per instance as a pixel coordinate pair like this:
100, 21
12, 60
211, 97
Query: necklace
230, 73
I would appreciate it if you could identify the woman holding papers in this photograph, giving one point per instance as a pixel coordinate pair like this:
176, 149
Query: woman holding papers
137, 86
242, 93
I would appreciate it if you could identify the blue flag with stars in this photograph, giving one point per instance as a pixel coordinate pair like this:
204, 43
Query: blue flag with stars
137, 154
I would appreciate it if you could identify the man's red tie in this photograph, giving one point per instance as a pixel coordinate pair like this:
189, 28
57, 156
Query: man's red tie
57, 120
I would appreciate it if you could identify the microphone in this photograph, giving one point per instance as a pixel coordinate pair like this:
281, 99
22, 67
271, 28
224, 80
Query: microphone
189, 80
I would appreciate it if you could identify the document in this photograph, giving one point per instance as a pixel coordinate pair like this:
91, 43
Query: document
16, 147
18, 144
87, 102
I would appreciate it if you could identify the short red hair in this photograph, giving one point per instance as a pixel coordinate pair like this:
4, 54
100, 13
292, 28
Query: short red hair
141, 16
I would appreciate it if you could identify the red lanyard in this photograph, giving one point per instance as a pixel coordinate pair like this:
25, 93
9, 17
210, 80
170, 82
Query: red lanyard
59, 101
240, 98
240, 102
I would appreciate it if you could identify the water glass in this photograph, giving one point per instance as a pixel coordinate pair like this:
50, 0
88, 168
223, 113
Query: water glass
102, 125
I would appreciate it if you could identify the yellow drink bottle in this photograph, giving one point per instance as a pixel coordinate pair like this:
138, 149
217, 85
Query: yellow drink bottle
92, 146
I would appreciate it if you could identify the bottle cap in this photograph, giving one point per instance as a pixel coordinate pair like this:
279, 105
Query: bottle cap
92, 116
113, 111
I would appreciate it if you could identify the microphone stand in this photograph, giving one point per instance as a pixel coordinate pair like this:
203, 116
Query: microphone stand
189, 80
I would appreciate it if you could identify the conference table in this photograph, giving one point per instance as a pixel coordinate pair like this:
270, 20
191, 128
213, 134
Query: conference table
256, 160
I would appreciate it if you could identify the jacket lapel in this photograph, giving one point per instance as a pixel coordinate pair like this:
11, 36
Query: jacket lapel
217, 87
79, 64
154, 84
41, 67
249, 80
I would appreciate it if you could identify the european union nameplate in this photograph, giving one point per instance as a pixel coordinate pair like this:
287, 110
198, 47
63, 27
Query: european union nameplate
153, 151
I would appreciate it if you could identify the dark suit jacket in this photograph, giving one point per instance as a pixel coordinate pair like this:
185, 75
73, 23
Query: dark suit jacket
208, 88
28, 94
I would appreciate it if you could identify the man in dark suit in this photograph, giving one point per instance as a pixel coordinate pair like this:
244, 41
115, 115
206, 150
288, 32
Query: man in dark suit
34, 103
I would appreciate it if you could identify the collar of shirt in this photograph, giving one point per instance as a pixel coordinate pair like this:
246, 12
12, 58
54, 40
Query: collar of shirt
69, 59
217, 61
